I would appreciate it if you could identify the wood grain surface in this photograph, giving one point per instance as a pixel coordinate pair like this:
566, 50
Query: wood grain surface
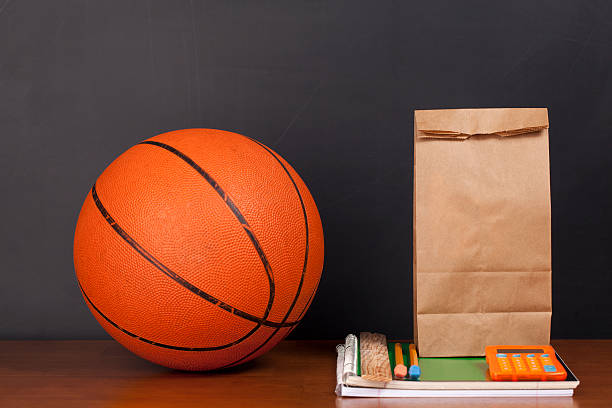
294, 374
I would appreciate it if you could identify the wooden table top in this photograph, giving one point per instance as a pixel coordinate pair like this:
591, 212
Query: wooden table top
294, 374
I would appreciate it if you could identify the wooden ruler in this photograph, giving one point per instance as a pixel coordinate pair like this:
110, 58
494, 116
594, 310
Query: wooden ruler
375, 364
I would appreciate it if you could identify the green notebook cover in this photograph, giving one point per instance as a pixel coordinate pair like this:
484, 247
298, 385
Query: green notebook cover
441, 369
445, 368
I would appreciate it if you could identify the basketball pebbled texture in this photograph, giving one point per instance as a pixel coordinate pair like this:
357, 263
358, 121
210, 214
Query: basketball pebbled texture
198, 249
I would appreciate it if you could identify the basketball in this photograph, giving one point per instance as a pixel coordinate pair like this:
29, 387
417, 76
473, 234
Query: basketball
198, 249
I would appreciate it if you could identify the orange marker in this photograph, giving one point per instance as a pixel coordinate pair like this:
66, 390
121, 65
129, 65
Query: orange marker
400, 369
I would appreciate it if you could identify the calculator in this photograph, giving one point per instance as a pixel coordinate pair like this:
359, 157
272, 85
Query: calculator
524, 363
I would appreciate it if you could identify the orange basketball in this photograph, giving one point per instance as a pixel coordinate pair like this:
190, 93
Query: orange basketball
199, 249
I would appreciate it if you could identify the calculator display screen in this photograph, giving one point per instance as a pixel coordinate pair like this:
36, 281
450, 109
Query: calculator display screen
509, 351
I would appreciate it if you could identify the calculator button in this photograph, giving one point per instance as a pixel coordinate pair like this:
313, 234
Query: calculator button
550, 368
519, 365
534, 367
504, 363
500, 355
545, 355
535, 370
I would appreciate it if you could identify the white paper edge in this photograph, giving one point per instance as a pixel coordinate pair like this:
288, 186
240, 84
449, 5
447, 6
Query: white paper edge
345, 391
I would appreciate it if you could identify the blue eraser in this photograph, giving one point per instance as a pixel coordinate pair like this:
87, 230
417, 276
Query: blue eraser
414, 372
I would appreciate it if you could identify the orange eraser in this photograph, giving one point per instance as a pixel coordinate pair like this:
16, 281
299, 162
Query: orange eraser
400, 371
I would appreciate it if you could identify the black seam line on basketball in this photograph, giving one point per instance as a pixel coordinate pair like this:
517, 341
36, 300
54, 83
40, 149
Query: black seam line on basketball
299, 289
307, 234
234, 209
173, 275
155, 343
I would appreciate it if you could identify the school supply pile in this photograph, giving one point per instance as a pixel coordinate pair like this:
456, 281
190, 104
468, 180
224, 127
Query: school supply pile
364, 374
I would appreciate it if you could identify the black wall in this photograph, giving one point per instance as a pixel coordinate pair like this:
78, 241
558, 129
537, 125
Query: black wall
332, 87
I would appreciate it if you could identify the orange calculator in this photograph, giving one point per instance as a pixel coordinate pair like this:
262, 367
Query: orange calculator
524, 363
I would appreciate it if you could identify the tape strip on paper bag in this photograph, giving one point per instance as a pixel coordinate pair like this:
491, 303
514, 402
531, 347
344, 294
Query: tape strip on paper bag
482, 261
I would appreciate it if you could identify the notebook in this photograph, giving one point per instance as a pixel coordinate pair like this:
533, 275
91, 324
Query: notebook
440, 377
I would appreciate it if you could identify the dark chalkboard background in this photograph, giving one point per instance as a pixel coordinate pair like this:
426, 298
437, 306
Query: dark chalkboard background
332, 87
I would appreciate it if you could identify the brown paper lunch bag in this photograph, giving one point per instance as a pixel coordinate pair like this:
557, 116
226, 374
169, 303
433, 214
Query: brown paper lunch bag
482, 251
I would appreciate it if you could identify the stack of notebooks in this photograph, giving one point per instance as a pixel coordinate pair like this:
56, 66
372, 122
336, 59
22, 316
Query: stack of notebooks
440, 377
